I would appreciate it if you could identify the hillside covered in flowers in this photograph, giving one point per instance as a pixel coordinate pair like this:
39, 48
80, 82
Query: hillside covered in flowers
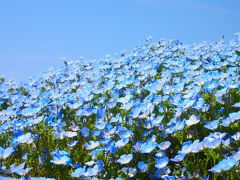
165, 110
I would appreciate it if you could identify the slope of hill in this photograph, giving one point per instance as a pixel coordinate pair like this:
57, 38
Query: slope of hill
165, 110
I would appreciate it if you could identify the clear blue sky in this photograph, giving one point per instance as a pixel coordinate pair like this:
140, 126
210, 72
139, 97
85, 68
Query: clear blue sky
36, 34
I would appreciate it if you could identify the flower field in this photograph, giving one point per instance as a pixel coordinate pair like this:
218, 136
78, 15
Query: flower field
166, 110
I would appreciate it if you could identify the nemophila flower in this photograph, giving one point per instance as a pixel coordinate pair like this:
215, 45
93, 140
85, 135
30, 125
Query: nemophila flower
186, 147
41, 160
162, 162
234, 116
193, 120
101, 113
236, 136
199, 103
101, 125
70, 134
236, 156
91, 145
226, 142
110, 132
5, 153
211, 142
187, 103
25, 138
226, 122
23, 172
129, 171
197, 146
218, 135
41, 178
164, 145
60, 159
85, 132
121, 142
211, 85
30, 111
125, 159
89, 163
205, 107
116, 119
148, 125
78, 172
142, 166
222, 109
212, 124
224, 165
157, 121
137, 146
37, 120
72, 144
180, 124
160, 154
95, 152
125, 99
148, 146
18, 169
178, 158
91, 171
25, 156
171, 129
59, 152
126, 134
136, 110
236, 105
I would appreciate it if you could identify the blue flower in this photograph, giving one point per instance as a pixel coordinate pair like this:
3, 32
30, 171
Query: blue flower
125, 159
101, 125
224, 165
148, 147
193, 120
142, 166
197, 146
126, 134
178, 158
23, 172
91, 145
180, 125
79, 172
19, 169
212, 125
226, 122
61, 160
237, 105
186, 147
72, 144
205, 107
25, 138
236, 156
70, 134
5, 153
121, 143
162, 162
226, 142
129, 171
211, 142
236, 136
234, 116
164, 145
137, 146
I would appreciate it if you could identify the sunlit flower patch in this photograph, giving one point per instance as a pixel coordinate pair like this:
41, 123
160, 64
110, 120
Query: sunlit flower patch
165, 110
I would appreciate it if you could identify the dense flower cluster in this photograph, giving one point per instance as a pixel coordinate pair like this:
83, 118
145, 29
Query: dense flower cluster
166, 110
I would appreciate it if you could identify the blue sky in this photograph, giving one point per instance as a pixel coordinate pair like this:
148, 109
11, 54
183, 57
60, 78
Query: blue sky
35, 35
